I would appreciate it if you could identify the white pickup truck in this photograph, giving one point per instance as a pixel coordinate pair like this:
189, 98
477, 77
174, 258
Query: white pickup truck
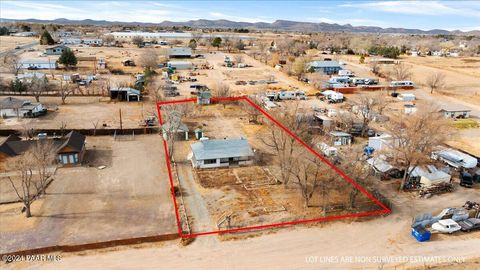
446, 226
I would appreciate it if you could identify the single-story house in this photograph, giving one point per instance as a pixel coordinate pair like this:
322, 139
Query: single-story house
55, 50
180, 65
180, 129
340, 138
30, 75
38, 64
70, 149
14, 107
327, 67
455, 112
180, 52
125, 94
93, 41
221, 153
430, 175
71, 40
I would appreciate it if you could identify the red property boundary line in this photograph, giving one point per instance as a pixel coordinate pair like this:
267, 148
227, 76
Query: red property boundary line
385, 210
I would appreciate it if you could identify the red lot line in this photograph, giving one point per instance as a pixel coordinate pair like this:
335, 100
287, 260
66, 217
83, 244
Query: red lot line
385, 210
172, 190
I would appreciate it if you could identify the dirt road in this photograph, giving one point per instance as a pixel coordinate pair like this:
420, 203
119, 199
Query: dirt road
289, 249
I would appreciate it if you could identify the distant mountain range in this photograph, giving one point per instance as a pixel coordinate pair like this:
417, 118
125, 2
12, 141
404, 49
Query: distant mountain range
282, 25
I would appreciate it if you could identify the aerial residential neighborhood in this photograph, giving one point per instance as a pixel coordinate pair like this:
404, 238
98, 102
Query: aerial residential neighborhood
239, 135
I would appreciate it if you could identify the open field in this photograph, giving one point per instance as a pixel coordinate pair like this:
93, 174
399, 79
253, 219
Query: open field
82, 113
129, 198
10, 42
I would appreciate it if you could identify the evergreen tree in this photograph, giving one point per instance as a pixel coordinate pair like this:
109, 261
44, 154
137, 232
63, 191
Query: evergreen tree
46, 38
216, 42
68, 58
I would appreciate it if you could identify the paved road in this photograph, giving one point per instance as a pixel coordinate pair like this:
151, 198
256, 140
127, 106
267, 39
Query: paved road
22, 47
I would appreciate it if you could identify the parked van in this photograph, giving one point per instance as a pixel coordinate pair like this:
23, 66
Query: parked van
345, 72
335, 80
401, 83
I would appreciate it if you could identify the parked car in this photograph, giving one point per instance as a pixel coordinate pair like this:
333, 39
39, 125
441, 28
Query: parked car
466, 180
470, 224
446, 226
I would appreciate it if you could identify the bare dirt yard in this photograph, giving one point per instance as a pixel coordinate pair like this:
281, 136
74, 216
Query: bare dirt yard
82, 113
129, 198
10, 42
253, 195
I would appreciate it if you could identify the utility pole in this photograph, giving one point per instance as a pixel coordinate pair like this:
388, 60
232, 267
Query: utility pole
121, 127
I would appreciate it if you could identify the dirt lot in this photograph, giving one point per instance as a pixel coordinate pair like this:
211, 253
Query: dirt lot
129, 198
82, 112
252, 194
10, 42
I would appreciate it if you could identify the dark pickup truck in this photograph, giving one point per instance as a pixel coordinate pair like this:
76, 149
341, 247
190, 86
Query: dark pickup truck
470, 224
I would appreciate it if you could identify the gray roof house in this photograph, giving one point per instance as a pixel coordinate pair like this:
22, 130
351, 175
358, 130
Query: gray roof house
55, 50
14, 107
38, 64
327, 67
455, 112
221, 153
180, 52
125, 93
70, 149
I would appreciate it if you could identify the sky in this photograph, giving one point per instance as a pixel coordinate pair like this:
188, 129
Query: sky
425, 15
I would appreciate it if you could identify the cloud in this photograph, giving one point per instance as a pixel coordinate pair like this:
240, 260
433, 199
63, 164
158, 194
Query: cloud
436, 8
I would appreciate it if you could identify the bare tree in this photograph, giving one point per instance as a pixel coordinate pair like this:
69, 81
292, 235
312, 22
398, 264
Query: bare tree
401, 72
44, 155
172, 124
62, 127
228, 43
307, 175
11, 61
355, 165
238, 58
222, 90
38, 86
283, 145
374, 67
95, 126
149, 59
65, 90
435, 81
137, 40
370, 105
414, 137
24, 184
300, 65
108, 39
253, 113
